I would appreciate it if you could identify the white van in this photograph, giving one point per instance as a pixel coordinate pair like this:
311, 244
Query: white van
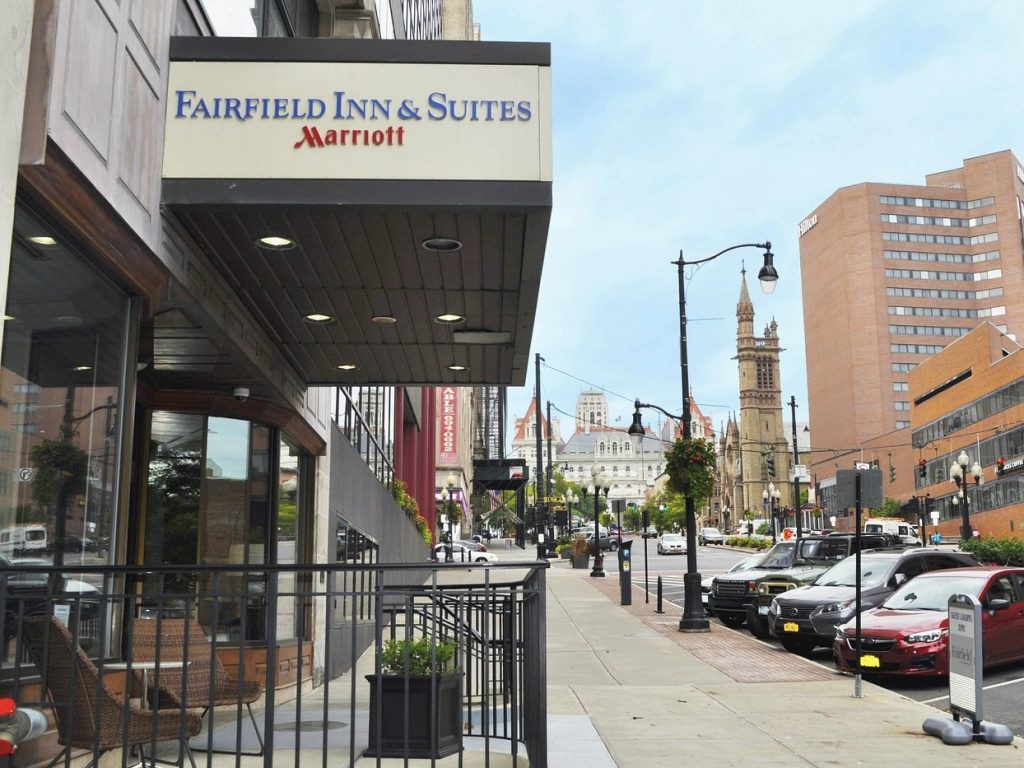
21, 540
903, 529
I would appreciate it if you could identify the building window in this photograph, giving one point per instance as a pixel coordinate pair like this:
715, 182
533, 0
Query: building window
900, 386
62, 369
902, 424
903, 367
902, 405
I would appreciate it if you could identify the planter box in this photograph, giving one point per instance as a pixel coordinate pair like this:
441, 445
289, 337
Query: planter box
446, 711
566, 554
580, 561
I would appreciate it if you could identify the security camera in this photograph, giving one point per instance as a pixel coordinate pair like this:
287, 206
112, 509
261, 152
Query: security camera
241, 394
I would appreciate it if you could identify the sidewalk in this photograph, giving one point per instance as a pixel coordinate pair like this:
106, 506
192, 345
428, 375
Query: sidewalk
626, 688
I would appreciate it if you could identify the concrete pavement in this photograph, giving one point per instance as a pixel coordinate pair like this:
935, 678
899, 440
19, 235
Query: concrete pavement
656, 696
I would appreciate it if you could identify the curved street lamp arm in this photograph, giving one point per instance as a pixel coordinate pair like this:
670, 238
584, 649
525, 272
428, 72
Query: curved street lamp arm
638, 405
767, 245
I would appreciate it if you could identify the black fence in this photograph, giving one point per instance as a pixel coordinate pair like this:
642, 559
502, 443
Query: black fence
220, 665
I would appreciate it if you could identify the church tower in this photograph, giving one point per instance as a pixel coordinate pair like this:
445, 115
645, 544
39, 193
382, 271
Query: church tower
762, 439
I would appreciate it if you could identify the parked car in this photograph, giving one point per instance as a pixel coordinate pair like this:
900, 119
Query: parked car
740, 565
671, 544
710, 536
731, 592
815, 555
909, 633
806, 617
650, 532
480, 538
463, 554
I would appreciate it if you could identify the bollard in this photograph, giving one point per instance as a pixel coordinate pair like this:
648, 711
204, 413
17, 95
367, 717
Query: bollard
658, 609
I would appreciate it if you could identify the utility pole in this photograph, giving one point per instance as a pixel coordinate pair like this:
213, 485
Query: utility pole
796, 474
540, 507
548, 493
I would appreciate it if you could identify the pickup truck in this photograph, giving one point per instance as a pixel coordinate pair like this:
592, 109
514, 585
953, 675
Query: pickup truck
734, 597
608, 543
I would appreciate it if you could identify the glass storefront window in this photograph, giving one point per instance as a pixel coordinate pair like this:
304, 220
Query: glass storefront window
61, 386
211, 502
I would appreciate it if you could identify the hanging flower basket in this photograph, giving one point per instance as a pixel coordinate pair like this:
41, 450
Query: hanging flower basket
690, 465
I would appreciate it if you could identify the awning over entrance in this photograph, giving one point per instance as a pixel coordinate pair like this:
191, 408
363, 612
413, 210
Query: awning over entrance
408, 186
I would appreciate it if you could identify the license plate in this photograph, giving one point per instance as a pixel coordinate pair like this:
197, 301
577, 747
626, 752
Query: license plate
790, 626
867, 660
762, 610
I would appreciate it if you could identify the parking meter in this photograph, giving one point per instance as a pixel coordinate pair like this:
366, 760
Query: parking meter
625, 573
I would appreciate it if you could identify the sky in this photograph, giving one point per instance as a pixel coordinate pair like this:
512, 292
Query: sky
693, 125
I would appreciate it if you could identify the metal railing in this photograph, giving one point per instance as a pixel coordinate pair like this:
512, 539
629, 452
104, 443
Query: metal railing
201, 666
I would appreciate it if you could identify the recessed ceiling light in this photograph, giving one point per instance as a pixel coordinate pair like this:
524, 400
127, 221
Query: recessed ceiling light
384, 319
42, 240
442, 245
275, 243
318, 319
457, 367
347, 367
449, 318
82, 368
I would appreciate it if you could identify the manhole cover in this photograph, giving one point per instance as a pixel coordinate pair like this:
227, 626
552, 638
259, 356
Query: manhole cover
310, 725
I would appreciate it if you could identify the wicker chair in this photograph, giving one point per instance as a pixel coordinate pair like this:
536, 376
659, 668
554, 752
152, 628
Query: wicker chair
89, 714
207, 682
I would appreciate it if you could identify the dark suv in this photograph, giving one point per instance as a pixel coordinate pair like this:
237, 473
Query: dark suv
807, 617
743, 597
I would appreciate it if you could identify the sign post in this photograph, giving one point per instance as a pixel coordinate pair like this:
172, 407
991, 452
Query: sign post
859, 488
966, 680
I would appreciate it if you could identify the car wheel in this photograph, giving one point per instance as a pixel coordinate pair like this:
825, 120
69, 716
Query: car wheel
701, 542
614, 546
659, 550
758, 627
731, 620
481, 559
798, 645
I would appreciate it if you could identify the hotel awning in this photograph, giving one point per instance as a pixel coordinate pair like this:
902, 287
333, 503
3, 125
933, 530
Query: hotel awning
405, 182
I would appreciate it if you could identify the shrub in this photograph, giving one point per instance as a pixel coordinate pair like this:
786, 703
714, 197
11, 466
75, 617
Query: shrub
578, 546
1008, 551
419, 658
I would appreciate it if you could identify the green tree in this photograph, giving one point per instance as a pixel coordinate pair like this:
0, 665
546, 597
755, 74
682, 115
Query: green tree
890, 508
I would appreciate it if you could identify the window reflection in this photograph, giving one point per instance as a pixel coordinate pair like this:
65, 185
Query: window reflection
61, 382
356, 588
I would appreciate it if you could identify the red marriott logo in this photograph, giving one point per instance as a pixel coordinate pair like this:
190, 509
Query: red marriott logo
351, 137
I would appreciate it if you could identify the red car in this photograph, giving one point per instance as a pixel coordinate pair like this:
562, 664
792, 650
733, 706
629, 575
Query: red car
908, 633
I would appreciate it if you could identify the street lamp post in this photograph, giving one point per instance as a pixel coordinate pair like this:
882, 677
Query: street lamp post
694, 619
448, 502
958, 474
600, 485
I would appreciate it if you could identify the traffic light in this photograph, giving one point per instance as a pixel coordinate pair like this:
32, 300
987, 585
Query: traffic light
922, 469
892, 474
1000, 465
770, 464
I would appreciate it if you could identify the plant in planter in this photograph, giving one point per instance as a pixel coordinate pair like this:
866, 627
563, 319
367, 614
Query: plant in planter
580, 552
418, 676
564, 549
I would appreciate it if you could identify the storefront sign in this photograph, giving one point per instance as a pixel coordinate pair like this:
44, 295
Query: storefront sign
807, 223
449, 409
308, 120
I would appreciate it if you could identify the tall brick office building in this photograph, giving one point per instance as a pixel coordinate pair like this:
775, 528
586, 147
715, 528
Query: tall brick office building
892, 273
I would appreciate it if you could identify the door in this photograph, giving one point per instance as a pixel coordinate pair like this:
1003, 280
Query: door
1001, 629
